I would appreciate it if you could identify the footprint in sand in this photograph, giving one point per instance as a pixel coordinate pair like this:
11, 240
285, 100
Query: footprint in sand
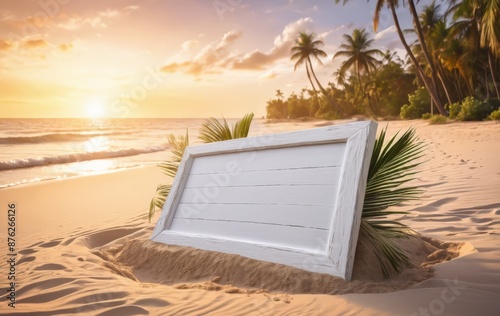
480, 220
125, 310
152, 302
106, 236
27, 251
50, 244
68, 241
26, 259
51, 266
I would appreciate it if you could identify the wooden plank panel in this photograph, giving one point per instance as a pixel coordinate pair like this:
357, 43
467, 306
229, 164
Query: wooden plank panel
318, 216
317, 136
311, 176
324, 155
345, 226
315, 261
302, 238
314, 221
267, 195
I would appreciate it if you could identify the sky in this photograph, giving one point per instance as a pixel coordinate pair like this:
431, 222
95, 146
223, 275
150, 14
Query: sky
167, 58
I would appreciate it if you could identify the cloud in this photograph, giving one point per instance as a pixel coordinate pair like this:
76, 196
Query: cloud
269, 75
37, 43
131, 8
108, 13
283, 43
216, 56
5, 45
100, 20
65, 47
387, 32
188, 45
388, 39
211, 59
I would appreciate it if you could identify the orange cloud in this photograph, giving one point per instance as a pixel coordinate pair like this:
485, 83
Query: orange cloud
65, 47
131, 7
100, 20
5, 45
283, 43
212, 58
37, 43
216, 56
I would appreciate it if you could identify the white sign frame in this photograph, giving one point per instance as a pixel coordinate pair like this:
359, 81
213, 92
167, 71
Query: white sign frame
332, 252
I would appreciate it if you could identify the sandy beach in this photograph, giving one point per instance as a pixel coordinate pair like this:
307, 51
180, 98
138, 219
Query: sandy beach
83, 247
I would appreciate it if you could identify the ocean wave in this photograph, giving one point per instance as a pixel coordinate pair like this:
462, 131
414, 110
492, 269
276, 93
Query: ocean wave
57, 137
76, 157
26, 181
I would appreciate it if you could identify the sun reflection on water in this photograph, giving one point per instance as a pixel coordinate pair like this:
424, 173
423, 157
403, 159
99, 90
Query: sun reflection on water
98, 143
94, 166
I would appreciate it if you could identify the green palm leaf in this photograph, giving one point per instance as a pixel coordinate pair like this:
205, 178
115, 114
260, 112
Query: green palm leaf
212, 130
242, 127
159, 199
392, 165
178, 145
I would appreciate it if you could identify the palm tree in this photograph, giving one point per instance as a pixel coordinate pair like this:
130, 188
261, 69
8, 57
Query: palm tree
392, 5
279, 94
421, 38
391, 57
307, 46
359, 56
478, 19
458, 60
436, 34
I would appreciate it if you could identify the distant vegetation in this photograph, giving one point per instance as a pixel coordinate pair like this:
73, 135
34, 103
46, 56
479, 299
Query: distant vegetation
452, 69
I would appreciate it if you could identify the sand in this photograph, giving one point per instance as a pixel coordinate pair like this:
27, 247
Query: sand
83, 247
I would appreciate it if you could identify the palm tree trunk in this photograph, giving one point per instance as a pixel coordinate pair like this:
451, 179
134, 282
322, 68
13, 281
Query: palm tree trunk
427, 84
325, 93
314, 88
420, 35
442, 77
486, 84
363, 90
444, 86
493, 75
458, 85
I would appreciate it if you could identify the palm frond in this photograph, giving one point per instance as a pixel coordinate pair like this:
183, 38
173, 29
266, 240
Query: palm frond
162, 191
178, 145
384, 245
212, 130
242, 127
392, 165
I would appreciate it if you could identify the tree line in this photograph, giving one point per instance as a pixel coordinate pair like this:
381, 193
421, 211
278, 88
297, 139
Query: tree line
455, 59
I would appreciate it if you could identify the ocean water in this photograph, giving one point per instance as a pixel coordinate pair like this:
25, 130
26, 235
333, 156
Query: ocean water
33, 150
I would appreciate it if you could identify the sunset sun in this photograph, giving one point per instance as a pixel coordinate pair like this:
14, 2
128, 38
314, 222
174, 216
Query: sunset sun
95, 109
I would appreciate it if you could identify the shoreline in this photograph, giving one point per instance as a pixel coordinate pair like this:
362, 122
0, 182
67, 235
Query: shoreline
70, 177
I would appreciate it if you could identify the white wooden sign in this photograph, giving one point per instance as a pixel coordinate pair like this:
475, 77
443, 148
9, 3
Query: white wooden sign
293, 198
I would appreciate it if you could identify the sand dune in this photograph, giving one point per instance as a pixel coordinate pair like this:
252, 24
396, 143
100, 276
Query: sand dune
83, 248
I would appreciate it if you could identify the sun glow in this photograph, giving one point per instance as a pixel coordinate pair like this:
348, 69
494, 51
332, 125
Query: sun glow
95, 108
